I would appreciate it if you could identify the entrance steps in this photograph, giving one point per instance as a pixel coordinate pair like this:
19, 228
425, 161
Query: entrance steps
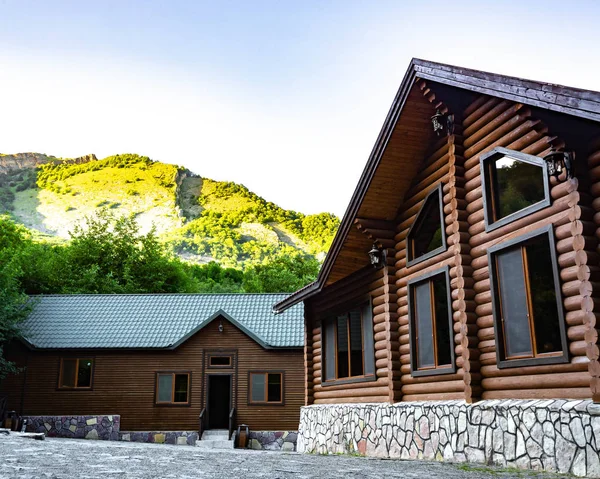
216, 439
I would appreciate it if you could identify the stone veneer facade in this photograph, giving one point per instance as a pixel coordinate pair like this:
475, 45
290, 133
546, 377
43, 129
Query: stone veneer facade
550, 435
106, 427
80, 427
273, 440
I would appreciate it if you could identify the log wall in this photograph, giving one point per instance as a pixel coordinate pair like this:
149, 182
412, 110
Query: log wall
440, 165
489, 123
378, 284
454, 161
590, 273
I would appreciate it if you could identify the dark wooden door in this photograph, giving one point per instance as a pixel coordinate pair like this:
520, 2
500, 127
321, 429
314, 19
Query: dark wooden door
219, 400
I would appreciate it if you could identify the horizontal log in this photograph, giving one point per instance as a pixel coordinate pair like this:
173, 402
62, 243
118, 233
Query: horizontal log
375, 399
433, 397
538, 381
572, 367
434, 387
554, 393
351, 392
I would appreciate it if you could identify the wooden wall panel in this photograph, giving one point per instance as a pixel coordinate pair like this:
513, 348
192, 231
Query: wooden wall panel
124, 383
499, 123
368, 282
437, 167
589, 273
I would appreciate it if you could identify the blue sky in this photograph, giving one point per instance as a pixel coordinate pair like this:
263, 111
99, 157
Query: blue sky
285, 97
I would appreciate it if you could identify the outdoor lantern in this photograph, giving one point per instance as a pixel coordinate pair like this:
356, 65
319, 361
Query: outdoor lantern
440, 120
220, 326
557, 161
377, 256
436, 121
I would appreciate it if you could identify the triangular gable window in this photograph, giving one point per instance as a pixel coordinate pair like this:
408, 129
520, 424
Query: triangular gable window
426, 237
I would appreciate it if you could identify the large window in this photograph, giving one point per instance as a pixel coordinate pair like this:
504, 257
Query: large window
75, 373
172, 388
527, 302
515, 185
348, 338
266, 387
426, 237
430, 326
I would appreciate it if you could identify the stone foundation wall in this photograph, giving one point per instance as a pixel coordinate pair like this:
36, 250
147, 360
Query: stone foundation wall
82, 427
551, 435
104, 427
176, 438
273, 440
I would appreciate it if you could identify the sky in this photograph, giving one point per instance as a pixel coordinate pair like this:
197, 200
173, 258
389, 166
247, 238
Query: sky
286, 97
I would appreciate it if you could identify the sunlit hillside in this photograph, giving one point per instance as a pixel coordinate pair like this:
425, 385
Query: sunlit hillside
201, 219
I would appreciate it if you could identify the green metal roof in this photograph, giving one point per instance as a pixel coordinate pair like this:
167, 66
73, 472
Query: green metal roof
156, 320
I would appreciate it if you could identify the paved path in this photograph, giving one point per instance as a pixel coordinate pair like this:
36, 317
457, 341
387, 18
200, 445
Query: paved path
71, 458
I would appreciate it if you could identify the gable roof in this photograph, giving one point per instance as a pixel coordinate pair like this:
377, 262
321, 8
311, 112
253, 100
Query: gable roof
405, 132
155, 321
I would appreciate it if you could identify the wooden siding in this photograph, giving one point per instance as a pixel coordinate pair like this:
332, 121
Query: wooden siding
368, 282
454, 160
490, 123
124, 383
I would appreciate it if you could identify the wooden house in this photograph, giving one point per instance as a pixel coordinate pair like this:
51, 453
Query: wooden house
161, 362
480, 208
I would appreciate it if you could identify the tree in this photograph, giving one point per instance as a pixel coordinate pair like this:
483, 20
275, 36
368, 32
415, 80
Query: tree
108, 254
13, 303
285, 274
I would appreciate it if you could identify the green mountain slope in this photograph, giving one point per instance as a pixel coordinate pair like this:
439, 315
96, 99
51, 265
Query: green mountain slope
201, 219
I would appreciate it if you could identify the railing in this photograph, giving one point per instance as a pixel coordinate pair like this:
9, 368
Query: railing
231, 421
201, 421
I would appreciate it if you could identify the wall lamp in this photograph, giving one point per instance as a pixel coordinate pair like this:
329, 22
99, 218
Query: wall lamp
220, 326
559, 161
440, 120
377, 256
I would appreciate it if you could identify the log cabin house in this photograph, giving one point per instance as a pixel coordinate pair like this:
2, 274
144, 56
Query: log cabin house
464, 275
161, 361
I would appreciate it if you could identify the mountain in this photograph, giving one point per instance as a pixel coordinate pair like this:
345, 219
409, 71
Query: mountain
199, 218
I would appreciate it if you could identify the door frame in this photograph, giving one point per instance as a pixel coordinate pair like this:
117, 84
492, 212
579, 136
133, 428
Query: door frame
207, 398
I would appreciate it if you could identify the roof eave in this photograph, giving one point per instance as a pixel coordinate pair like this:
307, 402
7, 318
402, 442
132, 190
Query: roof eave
358, 195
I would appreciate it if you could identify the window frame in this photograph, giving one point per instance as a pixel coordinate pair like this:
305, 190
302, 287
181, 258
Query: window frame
545, 358
349, 339
331, 315
172, 403
210, 356
489, 203
266, 402
413, 327
411, 261
60, 387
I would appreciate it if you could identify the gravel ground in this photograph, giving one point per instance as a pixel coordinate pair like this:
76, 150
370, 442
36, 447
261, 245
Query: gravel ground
71, 458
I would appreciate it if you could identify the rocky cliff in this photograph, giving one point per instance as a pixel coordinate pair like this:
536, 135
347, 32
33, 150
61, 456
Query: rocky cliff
20, 161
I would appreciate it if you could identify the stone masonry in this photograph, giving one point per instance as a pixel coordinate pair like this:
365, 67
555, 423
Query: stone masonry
80, 427
549, 435
106, 427
273, 440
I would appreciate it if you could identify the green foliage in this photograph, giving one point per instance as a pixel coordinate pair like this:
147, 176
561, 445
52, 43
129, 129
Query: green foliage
109, 255
212, 278
13, 303
287, 273
217, 231
226, 223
